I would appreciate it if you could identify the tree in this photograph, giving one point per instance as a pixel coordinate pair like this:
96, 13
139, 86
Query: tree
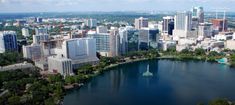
14, 100
69, 80
200, 51
185, 51
219, 102
50, 101
55, 78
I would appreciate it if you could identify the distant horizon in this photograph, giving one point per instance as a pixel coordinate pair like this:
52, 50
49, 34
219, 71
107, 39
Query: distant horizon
102, 12
45, 6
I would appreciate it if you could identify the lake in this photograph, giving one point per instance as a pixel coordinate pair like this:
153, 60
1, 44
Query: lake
172, 83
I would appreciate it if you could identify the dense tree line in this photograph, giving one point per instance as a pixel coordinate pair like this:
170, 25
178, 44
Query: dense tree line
9, 58
26, 87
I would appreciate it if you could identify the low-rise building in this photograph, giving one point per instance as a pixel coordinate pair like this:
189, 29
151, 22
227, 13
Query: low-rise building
230, 44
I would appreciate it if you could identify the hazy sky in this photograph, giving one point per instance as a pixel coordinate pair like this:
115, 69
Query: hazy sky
111, 5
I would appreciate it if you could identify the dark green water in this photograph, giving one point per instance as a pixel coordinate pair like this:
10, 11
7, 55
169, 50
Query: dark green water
173, 83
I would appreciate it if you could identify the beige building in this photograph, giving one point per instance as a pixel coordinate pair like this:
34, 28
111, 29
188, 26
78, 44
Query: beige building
230, 44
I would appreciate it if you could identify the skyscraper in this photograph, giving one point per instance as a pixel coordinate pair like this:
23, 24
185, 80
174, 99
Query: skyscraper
183, 25
167, 21
8, 41
114, 42
183, 21
102, 42
143, 39
129, 39
205, 30
154, 37
198, 12
141, 23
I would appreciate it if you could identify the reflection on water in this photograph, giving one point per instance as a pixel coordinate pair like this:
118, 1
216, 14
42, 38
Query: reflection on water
172, 83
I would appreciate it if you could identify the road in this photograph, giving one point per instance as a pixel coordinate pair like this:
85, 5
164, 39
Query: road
16, 66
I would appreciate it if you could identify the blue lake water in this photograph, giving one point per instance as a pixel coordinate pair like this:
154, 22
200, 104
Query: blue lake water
173, 83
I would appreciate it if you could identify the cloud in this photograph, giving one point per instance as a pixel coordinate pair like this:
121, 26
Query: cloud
110, 5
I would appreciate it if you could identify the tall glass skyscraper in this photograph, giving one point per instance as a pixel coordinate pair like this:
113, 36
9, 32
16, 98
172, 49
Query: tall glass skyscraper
8, 41
198, 12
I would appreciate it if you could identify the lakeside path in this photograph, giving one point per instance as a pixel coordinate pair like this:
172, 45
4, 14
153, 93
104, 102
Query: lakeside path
16, 66
136, 60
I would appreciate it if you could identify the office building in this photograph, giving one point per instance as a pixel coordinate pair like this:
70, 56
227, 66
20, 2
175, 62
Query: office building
141, 23
80, 50
8, 41
25, 32
153, 38
195, 23
170, 28
129, 39
198, 12
183, 26
39, 20
40, 31
114, 42
61, 65
20, 22
33, 52
91, 23
183, 21
123, 40
101, 29
205, 30
37, 39
102, 42
220, 24
143, 39
167, 25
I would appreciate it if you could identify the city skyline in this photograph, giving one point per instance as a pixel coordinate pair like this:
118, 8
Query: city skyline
16, 6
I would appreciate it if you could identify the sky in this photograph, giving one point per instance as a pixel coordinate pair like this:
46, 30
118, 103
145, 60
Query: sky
9, 6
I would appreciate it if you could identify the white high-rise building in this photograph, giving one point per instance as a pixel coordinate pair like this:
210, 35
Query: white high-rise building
114, 42
80, 51
25, 32
101, 29
183, 21
183, 25
91, 23
141, 23
198, 12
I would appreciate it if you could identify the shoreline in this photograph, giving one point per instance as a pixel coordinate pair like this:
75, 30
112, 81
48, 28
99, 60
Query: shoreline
77, 85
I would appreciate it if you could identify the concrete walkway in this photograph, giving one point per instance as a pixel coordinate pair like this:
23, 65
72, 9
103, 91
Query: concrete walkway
16, 66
